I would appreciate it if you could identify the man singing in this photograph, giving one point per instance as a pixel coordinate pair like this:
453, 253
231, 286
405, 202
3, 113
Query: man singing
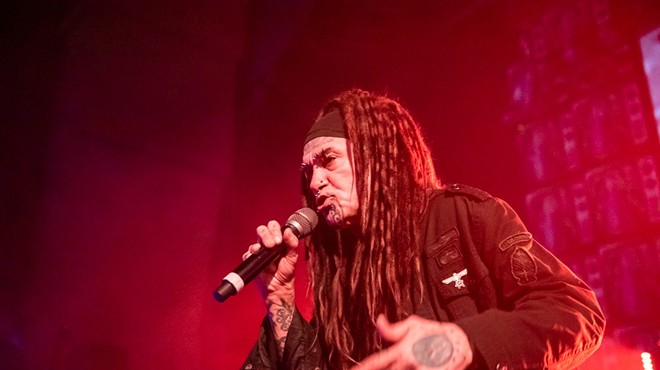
407, 273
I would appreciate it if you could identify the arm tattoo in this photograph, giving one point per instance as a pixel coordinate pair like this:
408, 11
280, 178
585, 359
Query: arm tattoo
280, 315
433, 351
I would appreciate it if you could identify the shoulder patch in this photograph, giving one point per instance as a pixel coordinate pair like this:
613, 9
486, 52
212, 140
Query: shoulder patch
468, 190
515, 239
523, 266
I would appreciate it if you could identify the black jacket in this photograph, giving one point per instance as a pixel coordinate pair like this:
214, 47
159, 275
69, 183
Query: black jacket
519, 305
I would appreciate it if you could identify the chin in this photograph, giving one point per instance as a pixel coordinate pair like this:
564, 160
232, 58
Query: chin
336, 217
343, 223
334, 223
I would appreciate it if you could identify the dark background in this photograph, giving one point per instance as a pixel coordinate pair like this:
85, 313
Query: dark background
142, 142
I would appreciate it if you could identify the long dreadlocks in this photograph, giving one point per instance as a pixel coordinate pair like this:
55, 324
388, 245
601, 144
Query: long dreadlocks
358, 274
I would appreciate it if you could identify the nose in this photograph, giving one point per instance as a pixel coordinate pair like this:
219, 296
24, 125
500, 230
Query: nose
319, 180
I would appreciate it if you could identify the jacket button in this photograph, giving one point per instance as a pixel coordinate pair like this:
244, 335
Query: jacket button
456, 187
501, 367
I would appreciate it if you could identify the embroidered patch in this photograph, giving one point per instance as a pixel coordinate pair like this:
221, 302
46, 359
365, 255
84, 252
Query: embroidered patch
445, 249
457, 279
448, 256
441, 241
523, 266
515, 239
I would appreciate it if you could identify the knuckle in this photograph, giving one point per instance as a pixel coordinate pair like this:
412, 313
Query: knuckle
289, 237
262, 229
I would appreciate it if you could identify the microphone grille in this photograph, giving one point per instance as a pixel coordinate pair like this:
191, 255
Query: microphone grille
303, 221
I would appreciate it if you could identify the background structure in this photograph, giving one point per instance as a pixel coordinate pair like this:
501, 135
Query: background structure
142, 142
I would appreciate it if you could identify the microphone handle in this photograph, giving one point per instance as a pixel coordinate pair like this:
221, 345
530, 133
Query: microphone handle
258, 262
247, 270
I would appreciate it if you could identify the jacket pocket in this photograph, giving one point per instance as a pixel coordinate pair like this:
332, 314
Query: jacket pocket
446, 266
452, 281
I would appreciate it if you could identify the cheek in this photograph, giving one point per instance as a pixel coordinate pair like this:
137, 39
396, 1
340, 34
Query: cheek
352, 202
348, 199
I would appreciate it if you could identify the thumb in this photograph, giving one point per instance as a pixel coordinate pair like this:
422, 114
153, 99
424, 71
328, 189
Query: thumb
289, 239
391, 332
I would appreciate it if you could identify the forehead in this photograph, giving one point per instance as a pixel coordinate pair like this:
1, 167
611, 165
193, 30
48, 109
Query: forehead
315, 146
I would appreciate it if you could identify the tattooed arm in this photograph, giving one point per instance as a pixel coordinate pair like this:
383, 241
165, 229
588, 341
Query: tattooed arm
286, 340
280, 315
418, 343
277, 281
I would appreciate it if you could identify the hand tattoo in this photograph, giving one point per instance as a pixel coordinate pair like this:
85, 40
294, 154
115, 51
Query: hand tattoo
280, 318
433, 351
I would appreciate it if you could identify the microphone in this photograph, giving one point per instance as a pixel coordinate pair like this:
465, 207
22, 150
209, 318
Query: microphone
302, 222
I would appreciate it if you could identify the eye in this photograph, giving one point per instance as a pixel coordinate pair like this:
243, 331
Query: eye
326, 160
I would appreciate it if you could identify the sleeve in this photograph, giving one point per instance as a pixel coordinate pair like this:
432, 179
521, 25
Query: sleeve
301, 350
546, 317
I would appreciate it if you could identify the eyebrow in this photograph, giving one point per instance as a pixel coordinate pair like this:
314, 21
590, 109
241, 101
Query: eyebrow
322, 153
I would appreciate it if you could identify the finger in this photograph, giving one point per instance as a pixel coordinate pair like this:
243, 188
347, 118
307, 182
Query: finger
276, 230
254, 248
379, 360
266, 237
392, 332
289, 238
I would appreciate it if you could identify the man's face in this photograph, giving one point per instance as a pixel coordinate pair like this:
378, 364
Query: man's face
328, 168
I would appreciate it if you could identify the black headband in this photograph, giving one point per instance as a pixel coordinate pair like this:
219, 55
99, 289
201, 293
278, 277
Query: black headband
332, 125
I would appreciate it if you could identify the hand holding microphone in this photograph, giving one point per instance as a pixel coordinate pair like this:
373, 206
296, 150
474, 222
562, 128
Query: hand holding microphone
274, 243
